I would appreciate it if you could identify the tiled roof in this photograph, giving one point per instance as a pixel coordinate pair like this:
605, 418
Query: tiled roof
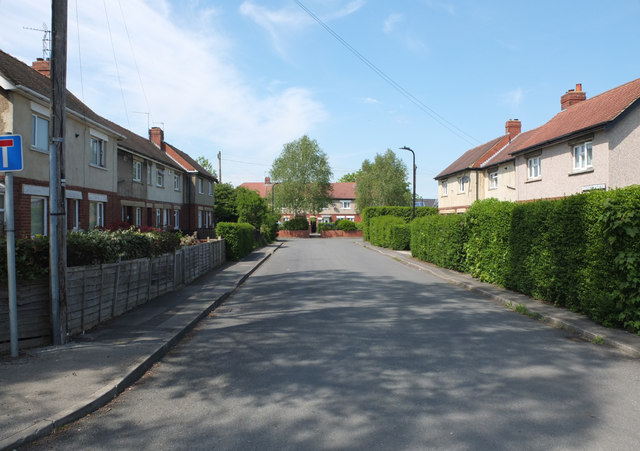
340, 190
261, 188
581, 117
186, 161
474, 158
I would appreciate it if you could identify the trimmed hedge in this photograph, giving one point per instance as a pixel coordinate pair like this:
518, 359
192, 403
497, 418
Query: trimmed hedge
238, 238
346, 224
440, 239
401, 212
389, 231
297, 223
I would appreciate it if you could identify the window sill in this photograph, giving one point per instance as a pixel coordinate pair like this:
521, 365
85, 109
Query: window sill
137, 181
580, 171
35, 149
103, 168
493, 189
533, 180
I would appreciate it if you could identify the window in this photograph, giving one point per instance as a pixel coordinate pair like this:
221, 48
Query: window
345, 204
534, 168
75, 220
445, 188
165, 218
200, 218
148, 173
38, 216
200, 190
583, 156
209, 219
176, 182
96, 214
176, 219
137, 171
138, 216
160, 177
39, 133
98, 153
210, 185
464, 181
493, 180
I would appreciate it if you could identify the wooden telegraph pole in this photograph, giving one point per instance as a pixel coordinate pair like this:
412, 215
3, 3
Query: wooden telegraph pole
57, 181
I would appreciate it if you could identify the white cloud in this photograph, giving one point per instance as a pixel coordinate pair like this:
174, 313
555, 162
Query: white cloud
513, 98
191, 80
370, 101
391, 22
444, 6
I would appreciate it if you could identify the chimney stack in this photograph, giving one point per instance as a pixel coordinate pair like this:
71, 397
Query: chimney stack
571, 97
43, 66
513, 127
156, 135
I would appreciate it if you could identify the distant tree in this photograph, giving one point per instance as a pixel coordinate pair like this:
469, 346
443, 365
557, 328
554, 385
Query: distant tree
349, 177
383, 182
206, 164
250, 207
304, 174
225, 203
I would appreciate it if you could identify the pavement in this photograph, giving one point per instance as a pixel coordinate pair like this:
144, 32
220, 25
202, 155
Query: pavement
46, 388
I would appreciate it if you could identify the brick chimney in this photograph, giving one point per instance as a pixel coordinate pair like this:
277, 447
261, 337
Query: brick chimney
267, 181
43, 66
572, 97
513, 127
156, 135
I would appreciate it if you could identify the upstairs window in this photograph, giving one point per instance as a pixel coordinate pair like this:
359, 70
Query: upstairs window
583, 156
98, 157
176, 182
39, 133
149, 174
160, 177
200, 189
534, 169
345, 204
464, 182
210, 185
493, 180
445, 188
137, 171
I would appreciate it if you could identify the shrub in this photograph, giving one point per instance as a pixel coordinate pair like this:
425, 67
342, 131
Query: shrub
346, 224
269, 227
326, 226
32, 258
440, 239
401, 212
297, 223
389, 231
238, 238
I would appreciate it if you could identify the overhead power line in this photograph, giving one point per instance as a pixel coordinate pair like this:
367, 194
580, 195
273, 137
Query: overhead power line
434, 115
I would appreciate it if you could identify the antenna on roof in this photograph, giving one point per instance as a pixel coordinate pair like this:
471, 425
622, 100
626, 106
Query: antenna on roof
46, 40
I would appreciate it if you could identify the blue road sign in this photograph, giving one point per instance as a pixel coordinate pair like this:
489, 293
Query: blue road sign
10, 153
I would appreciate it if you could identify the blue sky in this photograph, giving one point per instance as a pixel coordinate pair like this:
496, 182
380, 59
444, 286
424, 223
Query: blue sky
246, 77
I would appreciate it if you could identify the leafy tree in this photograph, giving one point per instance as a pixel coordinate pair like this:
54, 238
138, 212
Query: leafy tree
349, 177
206, 164
225, 204
383, 182
304, 174
251, 208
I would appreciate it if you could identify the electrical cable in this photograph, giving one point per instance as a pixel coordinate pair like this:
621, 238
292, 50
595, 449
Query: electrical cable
115, 59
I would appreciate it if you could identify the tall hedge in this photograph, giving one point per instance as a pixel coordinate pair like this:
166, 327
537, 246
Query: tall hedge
391, 232
401, 212
440, 239
238, 238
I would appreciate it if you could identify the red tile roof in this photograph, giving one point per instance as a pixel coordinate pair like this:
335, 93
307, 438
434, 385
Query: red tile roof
581, 117
341, 191
474, 158
260, 187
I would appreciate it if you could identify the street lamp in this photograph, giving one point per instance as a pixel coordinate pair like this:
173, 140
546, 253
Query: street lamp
413, 214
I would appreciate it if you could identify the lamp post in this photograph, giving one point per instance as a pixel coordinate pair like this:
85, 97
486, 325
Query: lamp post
413, 214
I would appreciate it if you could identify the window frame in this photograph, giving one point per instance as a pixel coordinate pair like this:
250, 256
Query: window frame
345, 204
462, 183
160, 177
35, 135
200, 186
176, 219
582, 156
210, 186
493, 180
534, 171
45, 225
98, 152
176, 181
98, 214
445, 188
138, 217
137, 171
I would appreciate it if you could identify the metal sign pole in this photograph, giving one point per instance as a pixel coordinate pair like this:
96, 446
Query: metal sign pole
11, 262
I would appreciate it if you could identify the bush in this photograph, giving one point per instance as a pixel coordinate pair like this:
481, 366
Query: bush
32, 258
391, 232
401, 212
326, 226
346, 224
238, 238
269, 227
297, 223
440, 239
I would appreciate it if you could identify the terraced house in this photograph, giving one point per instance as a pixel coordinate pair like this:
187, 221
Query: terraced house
590, 144
112, 174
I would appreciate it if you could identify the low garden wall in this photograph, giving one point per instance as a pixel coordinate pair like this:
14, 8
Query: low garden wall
341, 234
293, 234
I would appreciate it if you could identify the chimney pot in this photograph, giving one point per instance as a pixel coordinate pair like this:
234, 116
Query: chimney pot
43, 66
513, 127
571, 97
156, 135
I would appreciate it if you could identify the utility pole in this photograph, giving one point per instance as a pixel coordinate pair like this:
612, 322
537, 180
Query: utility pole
219, 166
413, 213
57, 180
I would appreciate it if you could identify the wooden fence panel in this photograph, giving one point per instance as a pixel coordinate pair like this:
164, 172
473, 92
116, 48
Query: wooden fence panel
33, 314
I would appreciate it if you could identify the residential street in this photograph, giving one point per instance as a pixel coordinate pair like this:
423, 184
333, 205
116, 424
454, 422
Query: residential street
330, 345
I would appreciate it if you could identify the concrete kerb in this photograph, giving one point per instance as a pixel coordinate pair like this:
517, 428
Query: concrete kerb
110, 391
558, 318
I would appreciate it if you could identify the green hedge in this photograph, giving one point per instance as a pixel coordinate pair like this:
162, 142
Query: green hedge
391, 232
238, 238
297, 223
346, 224
440, 239
401, 212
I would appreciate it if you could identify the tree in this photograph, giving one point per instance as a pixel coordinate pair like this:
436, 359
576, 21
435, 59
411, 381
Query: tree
250, 207
304, 174
349, 177
225, 204
206, 164
383, 182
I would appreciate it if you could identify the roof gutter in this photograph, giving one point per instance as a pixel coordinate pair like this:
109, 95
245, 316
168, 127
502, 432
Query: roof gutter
565, 137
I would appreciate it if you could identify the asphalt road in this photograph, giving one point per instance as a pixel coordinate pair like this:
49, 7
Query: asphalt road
333, 346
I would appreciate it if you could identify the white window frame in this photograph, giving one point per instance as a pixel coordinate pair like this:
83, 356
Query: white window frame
137, 171
463, 182
493, 180
75, 205
158, 217
200, 218
176, 219
200, 188
96, 217
534, 168
583, 156
149, 173
165, 218
45, 203
37, 129
445, 188
98, 152
160, 177
138, 216
345, 204
210, 186
176, 181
